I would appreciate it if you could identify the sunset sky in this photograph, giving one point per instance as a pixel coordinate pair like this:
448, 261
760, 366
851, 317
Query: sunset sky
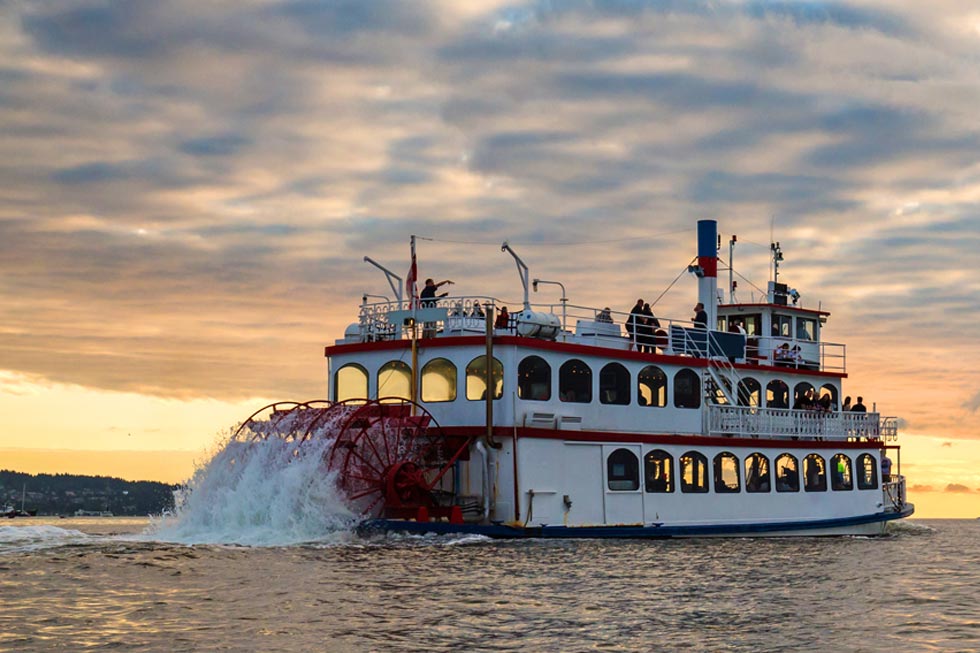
187, 192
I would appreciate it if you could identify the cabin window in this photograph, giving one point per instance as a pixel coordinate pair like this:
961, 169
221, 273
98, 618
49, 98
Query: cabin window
782, 326
840, 473
752, 324
787, 473
777, 394
757, 473
749, 392
394, 382
614, 385
814, 474
350, 382
806, 328
534, 379
803, 396
687, 389
694, 472
575, 382
476, 379
651, 387
438, 381
829, 390
867, 472
623, 470
726, 473
657, 470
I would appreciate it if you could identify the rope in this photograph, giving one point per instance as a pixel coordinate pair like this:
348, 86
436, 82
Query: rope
667, 289
554, 243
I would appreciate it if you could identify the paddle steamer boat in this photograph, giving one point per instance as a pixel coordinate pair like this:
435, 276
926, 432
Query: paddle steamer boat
577, 429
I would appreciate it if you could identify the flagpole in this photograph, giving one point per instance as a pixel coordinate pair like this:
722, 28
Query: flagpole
413, 273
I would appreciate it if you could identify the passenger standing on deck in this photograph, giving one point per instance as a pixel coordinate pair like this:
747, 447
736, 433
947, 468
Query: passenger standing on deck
428, 294
886, 468
700, 318
859, 407
847, 404
650, 322
503, 319
634, 321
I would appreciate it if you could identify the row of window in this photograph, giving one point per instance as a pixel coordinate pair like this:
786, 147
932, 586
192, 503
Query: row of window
439, 381
623, 472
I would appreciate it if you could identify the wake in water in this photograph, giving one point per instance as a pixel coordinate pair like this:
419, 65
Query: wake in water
267, 486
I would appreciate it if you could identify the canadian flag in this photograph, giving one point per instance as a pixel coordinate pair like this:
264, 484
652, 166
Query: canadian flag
412, 278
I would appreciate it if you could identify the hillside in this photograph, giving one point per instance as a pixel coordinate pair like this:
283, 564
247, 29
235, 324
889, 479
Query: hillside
63, 494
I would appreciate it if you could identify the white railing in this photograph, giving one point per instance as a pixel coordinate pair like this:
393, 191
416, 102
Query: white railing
893, 494
748, 421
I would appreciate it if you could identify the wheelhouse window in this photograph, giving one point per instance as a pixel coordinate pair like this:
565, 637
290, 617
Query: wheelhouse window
806, 328
534, 379
787, 473
657, 470
350, 382
867, 472
840, 473
575, 382
814, 473
749, 392
752, 324
394, 381
782, 326
622, 470
757, 473
476, 379
777, 394
687, 389
651, 387
438, 381
694, 472
726, 473
614, 385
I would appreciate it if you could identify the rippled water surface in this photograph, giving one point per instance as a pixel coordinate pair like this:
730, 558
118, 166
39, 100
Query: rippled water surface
82, 584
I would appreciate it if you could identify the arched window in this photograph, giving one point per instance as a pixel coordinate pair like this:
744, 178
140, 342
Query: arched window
658, 471
694, 472
840, 473
476, 379
575, 382
614, 385
622, 470
757, 473
395, 381
687, 389
350, 382
534, 379
828, 389
803, 395
726, 473
814, 474
867, 472
651, 387
439, 380
749, 392
777, 394
787, 473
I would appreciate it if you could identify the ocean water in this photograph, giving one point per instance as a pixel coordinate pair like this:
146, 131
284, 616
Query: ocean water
119, 584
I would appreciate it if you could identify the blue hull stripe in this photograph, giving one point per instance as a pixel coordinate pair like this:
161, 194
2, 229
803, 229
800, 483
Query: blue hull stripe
626, 531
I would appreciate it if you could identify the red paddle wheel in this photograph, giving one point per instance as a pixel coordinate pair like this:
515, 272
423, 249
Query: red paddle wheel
389, 454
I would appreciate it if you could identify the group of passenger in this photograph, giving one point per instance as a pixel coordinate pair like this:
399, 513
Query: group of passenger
642, 327
809, 401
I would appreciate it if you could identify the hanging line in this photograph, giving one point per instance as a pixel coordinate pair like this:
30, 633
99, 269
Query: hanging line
553, 244
667, 289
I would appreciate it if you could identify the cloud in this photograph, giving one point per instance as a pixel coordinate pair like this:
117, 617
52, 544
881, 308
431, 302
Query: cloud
956, 487
973, 403
921, 488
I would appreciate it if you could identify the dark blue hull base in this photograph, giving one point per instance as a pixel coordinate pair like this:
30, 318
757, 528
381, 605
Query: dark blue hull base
639, 531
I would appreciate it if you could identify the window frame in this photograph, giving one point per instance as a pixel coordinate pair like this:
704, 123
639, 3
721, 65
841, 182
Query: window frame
631, 470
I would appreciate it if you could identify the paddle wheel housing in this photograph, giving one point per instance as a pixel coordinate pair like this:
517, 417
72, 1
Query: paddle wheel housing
389, 455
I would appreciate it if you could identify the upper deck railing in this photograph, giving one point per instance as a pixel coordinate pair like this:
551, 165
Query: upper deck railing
750, 421
585, 325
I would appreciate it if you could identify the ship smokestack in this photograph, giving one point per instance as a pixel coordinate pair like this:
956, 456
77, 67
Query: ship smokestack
708, 262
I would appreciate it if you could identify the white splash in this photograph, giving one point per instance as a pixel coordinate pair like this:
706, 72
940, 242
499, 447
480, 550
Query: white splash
263, 492
15, 539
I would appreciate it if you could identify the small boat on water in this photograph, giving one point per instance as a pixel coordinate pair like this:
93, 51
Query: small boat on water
575, 421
